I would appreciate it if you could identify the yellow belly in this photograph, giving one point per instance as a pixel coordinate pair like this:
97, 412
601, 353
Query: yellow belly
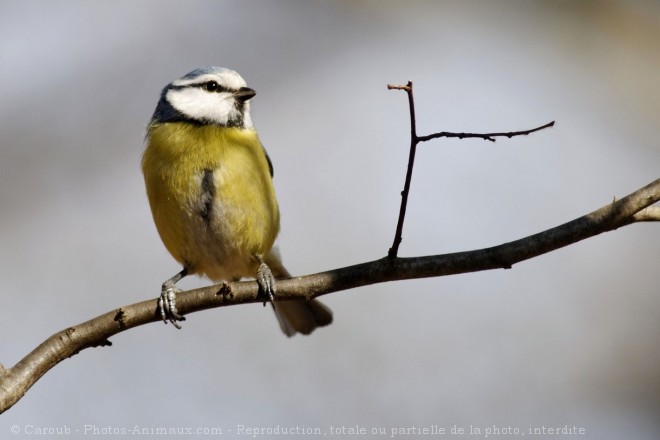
215, 225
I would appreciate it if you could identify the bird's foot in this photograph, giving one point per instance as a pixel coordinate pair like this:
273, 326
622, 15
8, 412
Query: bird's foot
266, 282
167, 305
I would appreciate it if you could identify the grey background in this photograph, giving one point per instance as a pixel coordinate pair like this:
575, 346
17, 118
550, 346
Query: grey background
569, 338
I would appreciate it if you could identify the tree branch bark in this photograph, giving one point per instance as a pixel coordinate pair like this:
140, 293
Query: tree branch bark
636, 207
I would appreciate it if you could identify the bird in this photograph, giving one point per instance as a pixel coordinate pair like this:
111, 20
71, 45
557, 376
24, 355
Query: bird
209, 182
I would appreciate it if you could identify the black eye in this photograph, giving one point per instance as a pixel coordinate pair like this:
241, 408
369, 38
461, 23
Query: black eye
211, 86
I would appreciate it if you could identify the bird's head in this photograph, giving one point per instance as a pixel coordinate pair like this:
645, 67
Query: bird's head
207, 96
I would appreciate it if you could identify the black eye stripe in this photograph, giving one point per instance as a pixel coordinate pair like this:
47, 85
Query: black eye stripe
211, 86
205, 86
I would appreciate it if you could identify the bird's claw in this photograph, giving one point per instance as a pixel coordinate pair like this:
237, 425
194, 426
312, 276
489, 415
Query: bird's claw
167, 305
266, 281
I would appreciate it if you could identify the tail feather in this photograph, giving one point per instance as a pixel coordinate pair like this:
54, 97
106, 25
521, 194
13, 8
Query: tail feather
296, 316
300, 316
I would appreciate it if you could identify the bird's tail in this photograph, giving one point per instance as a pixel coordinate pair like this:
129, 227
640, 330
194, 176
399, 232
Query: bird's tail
298, 315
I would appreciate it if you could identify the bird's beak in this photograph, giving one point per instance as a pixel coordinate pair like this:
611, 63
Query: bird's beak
244, 93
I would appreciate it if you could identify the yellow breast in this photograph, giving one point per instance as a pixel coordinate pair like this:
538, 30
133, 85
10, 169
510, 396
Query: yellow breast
212, 197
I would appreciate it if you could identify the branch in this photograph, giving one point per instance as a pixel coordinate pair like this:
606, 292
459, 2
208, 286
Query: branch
650, 214
484, 136
414, 140
636, 207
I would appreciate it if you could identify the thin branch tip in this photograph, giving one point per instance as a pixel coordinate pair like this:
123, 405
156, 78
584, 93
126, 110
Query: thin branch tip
485, 136
407, 87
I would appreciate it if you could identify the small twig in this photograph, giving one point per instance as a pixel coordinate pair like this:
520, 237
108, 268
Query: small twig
394, 250
414, 140
484, 136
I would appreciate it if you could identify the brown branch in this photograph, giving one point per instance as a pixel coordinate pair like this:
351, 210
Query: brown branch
414, 140
15, 381
650, 214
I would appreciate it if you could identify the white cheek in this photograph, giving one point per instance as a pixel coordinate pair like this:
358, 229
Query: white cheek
199, 104
247, 119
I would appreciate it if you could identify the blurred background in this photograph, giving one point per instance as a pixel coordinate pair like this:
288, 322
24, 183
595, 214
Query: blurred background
569, 338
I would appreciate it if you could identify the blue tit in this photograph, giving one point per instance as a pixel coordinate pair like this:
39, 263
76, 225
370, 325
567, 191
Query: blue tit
210, 187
